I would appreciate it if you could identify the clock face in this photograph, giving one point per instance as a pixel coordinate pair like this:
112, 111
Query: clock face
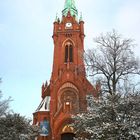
69, 25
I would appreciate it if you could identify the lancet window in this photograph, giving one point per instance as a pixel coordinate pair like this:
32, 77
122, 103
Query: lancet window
68, 52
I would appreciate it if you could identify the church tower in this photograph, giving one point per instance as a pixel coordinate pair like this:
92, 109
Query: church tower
66, 94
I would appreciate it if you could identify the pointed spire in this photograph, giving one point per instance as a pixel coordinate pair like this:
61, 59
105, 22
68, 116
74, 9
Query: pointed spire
70, 7
56, 18
81, 17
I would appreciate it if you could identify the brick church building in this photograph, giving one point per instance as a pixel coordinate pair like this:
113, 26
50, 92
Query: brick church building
66, 93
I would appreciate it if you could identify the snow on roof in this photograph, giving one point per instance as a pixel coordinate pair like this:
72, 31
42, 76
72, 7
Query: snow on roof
44, 105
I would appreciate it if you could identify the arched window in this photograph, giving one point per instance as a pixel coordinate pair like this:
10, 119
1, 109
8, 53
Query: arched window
69, 102
68, 53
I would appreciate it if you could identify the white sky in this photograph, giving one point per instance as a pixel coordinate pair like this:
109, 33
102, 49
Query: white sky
26, 45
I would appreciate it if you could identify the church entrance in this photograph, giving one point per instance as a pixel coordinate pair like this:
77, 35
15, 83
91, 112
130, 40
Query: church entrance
67, 136
67, 132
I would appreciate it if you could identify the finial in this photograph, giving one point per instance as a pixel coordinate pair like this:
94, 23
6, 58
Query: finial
46, 84
81, 17
43, 87
56, 18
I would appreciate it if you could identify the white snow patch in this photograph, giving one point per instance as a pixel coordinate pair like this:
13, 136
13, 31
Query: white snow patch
44, 105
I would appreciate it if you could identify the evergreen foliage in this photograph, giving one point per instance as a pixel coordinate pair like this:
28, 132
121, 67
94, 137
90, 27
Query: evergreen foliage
16, 127
12, 125
113, 118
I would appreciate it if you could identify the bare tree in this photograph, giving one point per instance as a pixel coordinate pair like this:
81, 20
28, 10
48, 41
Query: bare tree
113, 61
0, 83
117, 115
4, 104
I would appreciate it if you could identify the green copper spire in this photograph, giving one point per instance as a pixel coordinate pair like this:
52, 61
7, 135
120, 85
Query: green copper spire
70, 6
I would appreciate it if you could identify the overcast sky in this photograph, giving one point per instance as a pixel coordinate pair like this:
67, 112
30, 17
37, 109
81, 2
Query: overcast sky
26, 45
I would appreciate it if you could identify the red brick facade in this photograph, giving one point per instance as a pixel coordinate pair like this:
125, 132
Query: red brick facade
66, 93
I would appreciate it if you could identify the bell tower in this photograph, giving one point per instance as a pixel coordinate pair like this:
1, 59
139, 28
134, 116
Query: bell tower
68, 88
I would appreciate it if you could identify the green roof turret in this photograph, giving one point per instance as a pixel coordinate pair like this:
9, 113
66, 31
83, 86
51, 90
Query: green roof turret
70, 7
